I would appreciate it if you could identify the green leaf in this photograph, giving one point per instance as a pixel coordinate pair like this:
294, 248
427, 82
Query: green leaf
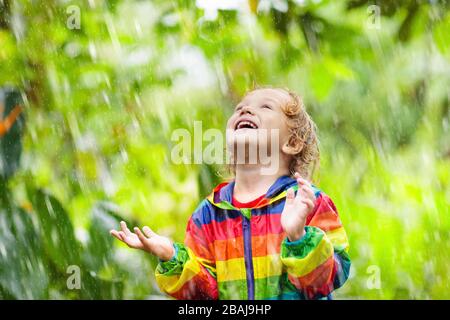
57, 231
10, 135
441, 35
321, 80
338, 69
22, 267
102, 280
105, 216
95, 288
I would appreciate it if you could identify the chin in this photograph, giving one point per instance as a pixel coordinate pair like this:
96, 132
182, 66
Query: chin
248, 149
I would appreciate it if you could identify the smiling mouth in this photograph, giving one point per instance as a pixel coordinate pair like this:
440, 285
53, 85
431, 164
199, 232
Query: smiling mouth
245, 124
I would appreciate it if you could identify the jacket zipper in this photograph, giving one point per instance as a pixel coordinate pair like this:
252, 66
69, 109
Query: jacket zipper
246, 228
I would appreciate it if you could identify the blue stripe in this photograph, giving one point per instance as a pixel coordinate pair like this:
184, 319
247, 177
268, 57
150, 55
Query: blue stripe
292, 295
278, 206
273, 208
343, 264
281, 184
248, 258
206, 213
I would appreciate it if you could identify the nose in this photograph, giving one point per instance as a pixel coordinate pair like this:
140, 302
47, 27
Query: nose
246, 109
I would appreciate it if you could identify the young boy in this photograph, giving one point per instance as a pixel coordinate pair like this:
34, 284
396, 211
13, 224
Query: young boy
261, 236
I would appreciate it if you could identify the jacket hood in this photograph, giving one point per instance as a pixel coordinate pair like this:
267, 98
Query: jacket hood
222, 194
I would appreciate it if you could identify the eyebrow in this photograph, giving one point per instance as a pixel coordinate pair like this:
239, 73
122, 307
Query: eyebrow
270, 99
273, 100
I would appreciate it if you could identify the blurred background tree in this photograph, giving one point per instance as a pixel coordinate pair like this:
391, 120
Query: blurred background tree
101, 86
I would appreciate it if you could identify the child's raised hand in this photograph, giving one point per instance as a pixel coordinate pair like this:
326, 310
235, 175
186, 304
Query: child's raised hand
146, 240
297, 208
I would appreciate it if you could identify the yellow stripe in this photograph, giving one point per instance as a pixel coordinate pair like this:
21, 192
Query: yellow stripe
229, 270
208, 264
263, 267
338, 238
267, 266
280, 196
300, 267
171, 284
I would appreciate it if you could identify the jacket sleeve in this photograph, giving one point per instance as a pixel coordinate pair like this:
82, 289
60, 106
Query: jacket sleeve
318, 263
191, 273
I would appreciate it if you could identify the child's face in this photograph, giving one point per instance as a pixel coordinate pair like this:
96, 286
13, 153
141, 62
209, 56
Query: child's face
260, 109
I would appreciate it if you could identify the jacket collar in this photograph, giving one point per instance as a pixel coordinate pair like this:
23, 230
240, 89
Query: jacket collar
222, 194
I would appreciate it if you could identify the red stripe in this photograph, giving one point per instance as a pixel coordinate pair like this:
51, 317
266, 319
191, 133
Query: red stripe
219, 186
202, 286
325, 215
266, 224
232, 228
233, 248
318, 281
226, 229
326, 221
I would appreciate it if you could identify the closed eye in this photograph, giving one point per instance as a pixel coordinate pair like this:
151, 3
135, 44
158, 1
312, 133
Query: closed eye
266, 106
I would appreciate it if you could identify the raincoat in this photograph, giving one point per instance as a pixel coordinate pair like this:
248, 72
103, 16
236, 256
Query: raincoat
232, 253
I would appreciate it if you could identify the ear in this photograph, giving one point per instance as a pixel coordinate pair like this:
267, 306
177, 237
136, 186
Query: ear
292, 146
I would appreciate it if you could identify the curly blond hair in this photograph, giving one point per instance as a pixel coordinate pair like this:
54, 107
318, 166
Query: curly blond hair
303, 131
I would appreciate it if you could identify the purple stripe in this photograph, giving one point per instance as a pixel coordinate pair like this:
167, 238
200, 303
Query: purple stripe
248, 258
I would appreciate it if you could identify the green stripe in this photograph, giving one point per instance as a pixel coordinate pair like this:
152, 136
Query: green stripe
225, 205
271, 288
175, 265
247, 213
233, 290
265, 288
301, 248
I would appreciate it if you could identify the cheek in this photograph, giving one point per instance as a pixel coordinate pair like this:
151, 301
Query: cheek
231, 121
284, 129
284, 132
280, 125
229, 132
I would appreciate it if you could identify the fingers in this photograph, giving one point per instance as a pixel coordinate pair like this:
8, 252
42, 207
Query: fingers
124, 228
308, 192
309, 203
120, 235
137, 240
140, 235
116, 234
123, 236
148, 232
304, 187
290, 195
301, 181
306, 197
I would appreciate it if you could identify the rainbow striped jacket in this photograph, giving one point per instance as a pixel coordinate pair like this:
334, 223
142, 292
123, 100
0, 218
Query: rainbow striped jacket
244, 254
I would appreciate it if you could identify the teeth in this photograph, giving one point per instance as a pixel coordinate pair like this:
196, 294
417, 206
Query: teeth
246, 123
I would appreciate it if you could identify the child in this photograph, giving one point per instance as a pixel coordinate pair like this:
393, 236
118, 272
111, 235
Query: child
261, 236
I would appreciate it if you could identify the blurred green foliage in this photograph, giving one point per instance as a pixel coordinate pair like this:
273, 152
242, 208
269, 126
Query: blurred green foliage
101, 100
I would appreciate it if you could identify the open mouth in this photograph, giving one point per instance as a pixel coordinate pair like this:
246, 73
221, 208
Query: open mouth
245, 124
